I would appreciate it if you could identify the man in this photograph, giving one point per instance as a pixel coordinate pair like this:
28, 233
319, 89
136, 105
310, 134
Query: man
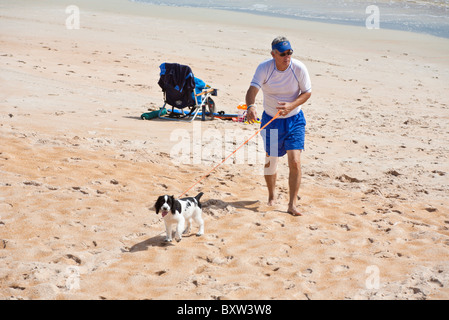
286, 86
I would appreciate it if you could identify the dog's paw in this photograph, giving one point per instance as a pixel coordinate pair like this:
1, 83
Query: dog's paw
178, 239
168, 240
199, 234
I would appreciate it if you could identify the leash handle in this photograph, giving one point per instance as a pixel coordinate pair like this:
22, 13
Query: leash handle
210, 171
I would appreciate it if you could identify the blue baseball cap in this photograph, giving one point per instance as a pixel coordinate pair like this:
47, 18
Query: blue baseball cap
282, 46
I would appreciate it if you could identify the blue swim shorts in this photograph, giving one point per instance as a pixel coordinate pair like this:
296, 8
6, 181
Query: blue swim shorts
283, 134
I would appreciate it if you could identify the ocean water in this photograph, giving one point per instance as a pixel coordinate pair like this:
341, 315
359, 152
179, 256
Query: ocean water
430, 17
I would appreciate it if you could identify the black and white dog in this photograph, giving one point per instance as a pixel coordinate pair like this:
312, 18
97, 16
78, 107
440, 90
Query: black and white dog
179, 213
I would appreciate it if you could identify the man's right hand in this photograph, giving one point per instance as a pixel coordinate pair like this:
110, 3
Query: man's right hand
251, 115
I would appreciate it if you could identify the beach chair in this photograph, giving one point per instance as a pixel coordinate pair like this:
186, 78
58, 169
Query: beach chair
188, 96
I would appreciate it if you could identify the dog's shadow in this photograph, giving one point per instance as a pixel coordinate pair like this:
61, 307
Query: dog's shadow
157, 241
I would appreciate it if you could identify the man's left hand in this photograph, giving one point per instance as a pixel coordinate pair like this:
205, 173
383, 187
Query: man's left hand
285, 108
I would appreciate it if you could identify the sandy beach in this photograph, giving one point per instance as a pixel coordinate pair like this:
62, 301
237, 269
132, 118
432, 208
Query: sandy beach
80, 171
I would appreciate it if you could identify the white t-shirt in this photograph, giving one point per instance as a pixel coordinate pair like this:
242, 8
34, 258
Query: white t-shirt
281, 86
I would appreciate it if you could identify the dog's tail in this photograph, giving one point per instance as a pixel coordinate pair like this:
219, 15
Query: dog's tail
198, 197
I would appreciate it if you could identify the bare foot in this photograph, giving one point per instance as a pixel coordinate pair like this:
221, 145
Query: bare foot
272, 202
293, 211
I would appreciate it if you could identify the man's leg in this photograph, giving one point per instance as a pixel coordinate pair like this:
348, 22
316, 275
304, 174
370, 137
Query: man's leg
294, 179
270, 170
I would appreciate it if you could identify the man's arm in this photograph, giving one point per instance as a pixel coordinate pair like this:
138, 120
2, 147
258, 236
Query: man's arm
287, 107
251, 94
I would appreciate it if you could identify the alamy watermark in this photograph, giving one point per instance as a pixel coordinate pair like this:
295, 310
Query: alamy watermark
212, 146
73, 20
73, 278
373, 20
373, 279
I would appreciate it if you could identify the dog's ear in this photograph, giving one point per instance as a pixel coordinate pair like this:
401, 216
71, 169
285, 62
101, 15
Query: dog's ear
175, 205
158, 204
172, 202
